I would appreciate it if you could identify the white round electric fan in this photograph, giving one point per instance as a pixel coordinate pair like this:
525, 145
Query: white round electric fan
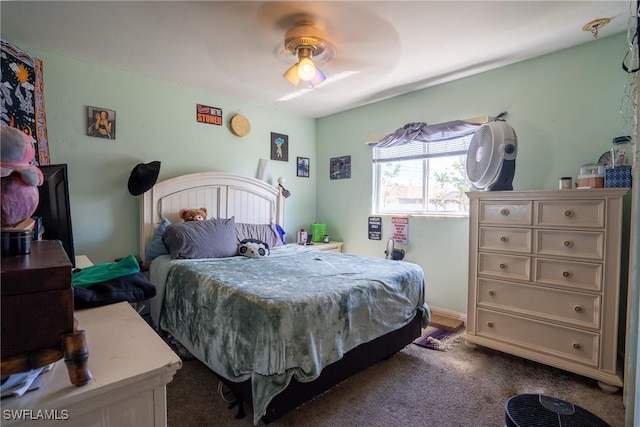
491, 158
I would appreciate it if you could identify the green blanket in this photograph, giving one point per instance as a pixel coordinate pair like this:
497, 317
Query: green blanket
105, 271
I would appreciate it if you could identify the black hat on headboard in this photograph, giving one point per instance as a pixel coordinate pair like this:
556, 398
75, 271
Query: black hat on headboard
143, 177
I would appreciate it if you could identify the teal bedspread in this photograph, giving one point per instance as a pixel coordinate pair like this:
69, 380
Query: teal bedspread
287, 315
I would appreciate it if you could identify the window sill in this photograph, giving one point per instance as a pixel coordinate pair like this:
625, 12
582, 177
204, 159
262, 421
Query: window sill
425, 215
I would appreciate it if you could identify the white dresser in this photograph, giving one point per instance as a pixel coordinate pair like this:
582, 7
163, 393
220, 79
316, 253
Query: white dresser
130, 364
544, 278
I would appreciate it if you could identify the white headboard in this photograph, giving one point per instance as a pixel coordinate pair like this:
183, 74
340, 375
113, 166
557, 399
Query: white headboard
224, 195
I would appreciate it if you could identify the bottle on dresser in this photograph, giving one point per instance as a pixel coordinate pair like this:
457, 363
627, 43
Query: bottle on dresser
302, 237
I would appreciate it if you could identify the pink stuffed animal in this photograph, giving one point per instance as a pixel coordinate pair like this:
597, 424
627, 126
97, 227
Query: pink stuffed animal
19, 198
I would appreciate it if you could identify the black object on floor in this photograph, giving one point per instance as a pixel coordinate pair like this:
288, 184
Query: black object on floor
529, 410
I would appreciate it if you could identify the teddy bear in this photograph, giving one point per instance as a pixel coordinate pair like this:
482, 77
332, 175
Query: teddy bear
199, 214
20, 179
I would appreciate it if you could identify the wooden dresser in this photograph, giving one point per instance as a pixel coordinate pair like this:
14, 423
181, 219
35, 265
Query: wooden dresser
544, 278
37, 306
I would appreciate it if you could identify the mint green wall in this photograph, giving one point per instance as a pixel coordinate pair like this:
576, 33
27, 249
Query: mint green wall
155, 121
563, 106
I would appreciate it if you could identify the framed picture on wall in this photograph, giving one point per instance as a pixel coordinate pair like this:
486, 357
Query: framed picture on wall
340, 167
302, 167
101, 122
279, 147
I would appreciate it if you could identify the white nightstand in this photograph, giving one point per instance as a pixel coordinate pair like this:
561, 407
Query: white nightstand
328, 247
83, 261
130, 364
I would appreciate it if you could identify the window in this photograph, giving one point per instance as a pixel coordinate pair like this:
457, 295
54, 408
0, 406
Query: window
422, 178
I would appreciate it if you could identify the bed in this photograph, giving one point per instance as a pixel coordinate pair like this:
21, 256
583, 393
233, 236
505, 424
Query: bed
281, 329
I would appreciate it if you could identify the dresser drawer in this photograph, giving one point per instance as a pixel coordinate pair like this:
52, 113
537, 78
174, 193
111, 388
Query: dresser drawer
578, 275
573, 344
553, 304
504, 266
577, 244
500, 212
505, 239
574, 213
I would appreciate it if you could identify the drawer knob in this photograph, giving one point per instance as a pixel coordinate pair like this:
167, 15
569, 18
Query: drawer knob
504, 239
568, 213
566, 274
492, 293
503, 266
577, 346
504, 212
568, 243
578, 309
490, 324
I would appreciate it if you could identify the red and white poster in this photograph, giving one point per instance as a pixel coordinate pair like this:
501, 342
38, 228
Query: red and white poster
400, 226
209, 115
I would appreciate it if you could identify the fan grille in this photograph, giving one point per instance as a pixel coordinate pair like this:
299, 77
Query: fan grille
480, 154
527, 410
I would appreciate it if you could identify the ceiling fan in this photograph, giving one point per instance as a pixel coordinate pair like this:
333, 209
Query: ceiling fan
305, 41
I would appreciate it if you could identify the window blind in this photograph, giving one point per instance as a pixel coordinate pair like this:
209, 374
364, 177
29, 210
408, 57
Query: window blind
421, 150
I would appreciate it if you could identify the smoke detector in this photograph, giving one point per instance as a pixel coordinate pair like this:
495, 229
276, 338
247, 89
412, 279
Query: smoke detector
595, 25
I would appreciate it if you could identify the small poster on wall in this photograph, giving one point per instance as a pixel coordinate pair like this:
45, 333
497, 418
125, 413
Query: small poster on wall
302, 167
208, 115
340, 167
279, 147
400, 226
375, 228
101, 123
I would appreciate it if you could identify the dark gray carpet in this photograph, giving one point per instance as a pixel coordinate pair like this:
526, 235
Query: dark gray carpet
416, 387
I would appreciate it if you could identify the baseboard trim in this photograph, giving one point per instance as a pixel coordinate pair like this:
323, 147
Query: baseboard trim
445, 312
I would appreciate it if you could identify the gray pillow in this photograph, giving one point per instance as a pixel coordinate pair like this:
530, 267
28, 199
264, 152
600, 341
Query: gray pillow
212, 238
264, 232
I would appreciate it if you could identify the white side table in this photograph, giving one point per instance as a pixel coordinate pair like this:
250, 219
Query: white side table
130, 364
328, 247
83, 261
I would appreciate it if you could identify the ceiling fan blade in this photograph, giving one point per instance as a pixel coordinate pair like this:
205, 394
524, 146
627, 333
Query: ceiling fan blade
318, 78
291, 75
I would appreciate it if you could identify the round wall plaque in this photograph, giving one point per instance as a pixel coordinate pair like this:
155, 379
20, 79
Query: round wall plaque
240, 125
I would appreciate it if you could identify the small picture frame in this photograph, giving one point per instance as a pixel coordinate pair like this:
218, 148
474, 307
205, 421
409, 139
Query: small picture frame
340, 167
101, 123
302, 167
279, 147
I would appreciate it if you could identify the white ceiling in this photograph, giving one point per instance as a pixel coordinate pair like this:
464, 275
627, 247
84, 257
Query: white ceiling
383, 48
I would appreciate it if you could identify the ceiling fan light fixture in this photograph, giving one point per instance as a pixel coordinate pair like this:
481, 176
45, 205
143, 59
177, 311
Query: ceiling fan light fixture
305, 41
306, 69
